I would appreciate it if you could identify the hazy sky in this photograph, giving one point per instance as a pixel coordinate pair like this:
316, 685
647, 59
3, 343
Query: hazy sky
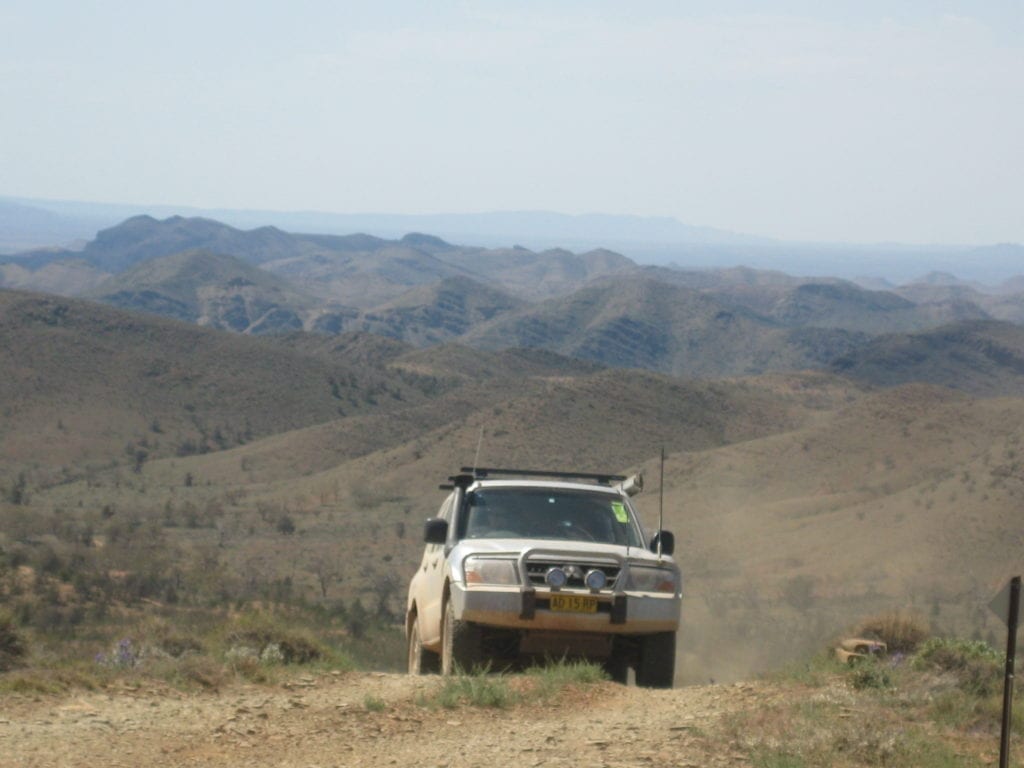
865, 122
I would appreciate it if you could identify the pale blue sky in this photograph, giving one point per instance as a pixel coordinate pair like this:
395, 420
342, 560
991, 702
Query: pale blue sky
862, 122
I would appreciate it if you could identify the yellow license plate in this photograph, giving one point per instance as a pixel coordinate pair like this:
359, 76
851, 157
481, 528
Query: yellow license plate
574, 603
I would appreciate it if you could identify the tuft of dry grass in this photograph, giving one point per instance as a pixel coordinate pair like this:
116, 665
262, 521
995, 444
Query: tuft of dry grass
924, 709
902, 631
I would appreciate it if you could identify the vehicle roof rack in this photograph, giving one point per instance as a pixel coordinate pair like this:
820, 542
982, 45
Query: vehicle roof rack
484, 472
458, 481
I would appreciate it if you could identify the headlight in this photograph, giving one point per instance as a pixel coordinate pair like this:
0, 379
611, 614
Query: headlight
484, 570
643, 579
556, 577
595, 579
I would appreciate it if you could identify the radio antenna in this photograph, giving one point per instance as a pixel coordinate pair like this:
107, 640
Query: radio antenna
479, 444
661, 501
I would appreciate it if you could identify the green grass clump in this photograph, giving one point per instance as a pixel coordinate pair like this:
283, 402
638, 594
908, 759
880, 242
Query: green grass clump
870, 673
975, 665
374, 704
481, 688
554, 677
476, 689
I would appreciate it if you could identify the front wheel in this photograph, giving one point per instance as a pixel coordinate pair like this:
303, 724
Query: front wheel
656, 665
616, 666
460, 644
421, 661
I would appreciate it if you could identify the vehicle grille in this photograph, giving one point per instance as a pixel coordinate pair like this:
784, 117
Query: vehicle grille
536, 569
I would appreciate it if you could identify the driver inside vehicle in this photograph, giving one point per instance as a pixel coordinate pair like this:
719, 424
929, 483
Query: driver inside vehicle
487, 522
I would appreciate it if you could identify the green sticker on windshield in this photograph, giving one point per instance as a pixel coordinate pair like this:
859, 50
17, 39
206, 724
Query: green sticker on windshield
620, 511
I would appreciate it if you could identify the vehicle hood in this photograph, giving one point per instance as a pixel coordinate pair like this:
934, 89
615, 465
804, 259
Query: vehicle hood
555, 547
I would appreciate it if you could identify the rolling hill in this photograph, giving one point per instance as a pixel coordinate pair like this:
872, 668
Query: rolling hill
208, 289
437, 313
83, 381
640, 322
800, 501
905, 499
983, 358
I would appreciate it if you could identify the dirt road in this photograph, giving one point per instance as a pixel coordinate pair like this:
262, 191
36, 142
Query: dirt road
366, 719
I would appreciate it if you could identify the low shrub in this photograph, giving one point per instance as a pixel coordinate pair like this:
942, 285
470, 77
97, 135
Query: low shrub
12, 645
273, 640
203, 671
975, 664
180, 645
902, 632
870, 673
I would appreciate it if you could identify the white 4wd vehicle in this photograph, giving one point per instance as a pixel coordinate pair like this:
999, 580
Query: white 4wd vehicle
522, 564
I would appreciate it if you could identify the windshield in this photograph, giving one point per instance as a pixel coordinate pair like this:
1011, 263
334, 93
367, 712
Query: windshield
540, 513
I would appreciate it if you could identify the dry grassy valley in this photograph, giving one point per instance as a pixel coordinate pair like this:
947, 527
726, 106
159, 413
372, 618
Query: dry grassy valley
193, 492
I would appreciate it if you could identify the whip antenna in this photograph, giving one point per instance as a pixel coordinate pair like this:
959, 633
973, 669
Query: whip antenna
661, 501
479, 444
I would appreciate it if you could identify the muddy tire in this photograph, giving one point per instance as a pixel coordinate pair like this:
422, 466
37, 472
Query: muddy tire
460, 644
421, 661
656, 666
616, 666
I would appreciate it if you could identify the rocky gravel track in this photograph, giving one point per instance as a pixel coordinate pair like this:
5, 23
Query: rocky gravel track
368, 719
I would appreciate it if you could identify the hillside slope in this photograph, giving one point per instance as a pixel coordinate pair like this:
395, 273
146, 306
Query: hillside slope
208, 289
983, 358
645, 323
82, 380
906, 499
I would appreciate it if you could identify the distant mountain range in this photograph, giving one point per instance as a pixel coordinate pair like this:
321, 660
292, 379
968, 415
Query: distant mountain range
598, 306
33, 223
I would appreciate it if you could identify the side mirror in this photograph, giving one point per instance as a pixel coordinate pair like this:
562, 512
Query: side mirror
668, 542
435, 531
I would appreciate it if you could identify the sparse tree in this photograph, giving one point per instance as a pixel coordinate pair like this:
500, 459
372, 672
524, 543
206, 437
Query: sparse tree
326, 570
140, 460
18, 492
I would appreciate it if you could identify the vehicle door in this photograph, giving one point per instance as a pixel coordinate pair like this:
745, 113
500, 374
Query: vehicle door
432, 580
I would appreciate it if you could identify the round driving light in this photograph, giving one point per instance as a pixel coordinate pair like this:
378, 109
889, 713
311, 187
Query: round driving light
595, 579
556, 577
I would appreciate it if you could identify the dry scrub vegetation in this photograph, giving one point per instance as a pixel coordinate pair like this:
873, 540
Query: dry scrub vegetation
935, 702
211, 532
237, 700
